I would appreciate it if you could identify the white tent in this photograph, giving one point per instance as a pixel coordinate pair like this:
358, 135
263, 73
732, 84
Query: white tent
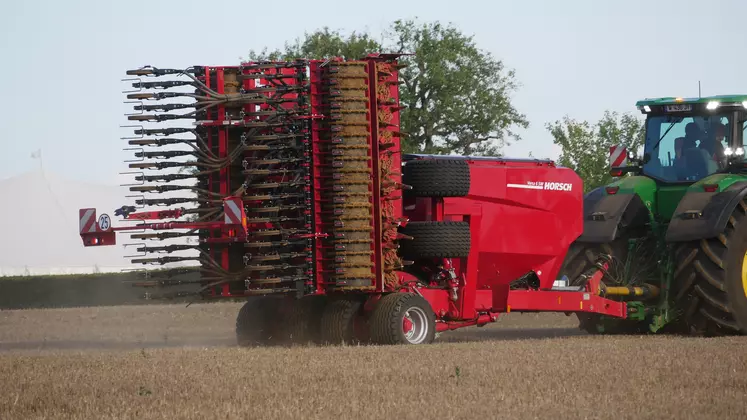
39, 226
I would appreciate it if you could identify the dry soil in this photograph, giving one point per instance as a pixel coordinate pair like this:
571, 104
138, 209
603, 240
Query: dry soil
153, 362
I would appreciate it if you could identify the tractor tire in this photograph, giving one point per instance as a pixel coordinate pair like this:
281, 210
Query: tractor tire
255, 321
581, 257
402, 318
302, 323
710, 283
338, 321
437, 177
435, 240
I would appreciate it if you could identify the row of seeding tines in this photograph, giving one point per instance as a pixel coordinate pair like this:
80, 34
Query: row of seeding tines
312, 148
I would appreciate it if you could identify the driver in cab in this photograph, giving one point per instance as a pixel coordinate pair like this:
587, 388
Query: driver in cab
714, 145
699, 154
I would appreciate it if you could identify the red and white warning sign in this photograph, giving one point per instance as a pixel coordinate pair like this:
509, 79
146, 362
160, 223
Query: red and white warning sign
618, 156
87, 220
233, 207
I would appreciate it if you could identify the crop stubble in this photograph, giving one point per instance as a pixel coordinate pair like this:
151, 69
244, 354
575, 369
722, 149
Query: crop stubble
176, 362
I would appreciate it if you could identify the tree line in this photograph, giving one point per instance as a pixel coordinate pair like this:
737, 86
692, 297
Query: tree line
457, 97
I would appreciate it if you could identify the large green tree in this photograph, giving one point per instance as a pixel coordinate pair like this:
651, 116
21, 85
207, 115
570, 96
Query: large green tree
457, 96
586, 147
322, 43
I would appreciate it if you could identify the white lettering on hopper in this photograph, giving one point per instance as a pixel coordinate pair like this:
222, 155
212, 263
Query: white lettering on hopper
543, 185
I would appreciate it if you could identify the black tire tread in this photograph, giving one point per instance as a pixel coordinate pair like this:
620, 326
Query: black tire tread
437, 177
386, 324
254, 321
302, 323
381, 328
700, 282
435, 240
337, 322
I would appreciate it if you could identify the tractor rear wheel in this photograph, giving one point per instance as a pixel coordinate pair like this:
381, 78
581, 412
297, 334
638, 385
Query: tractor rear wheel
580, 258
339, 321
710, 283
255, 321
402, 318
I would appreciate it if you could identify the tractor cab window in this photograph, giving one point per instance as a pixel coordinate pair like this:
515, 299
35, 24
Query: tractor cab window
685, 148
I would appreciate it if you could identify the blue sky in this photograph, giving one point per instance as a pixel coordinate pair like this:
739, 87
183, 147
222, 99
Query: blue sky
63, 60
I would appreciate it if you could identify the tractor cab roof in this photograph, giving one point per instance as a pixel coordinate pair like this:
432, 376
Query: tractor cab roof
679, 104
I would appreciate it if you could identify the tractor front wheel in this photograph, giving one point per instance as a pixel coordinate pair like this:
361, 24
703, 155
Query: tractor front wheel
710, 283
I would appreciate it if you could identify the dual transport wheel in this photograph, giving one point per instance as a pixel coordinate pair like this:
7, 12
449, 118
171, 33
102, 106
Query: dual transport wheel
279, 320
394, 318
430, 239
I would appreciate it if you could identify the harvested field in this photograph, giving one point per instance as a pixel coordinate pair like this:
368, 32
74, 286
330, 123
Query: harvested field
163, 361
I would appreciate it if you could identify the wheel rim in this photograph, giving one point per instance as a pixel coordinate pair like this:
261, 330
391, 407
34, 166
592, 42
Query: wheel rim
744, 274
415, 325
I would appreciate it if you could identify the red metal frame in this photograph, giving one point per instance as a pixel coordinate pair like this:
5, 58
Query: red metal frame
376, 233
96, 236
383, 94
321, 264
225, 170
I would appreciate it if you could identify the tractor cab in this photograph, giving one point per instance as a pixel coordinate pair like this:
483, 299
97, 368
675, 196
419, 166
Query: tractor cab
688, 139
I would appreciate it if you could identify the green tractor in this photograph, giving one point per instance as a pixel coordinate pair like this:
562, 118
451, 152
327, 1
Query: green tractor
673, 224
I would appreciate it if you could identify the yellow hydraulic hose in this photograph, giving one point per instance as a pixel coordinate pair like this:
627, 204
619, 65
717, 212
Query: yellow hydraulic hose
646, 290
